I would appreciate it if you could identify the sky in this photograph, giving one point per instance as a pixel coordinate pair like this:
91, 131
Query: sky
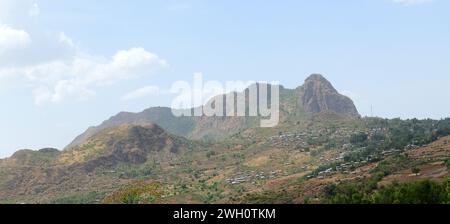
67, 65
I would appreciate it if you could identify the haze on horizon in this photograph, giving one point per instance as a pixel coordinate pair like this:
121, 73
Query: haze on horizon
68, 65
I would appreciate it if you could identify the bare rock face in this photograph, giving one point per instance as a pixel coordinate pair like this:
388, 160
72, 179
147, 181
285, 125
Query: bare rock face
318, 95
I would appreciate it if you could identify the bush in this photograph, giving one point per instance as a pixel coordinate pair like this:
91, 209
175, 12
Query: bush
209, 154
138, 192
422, 192
415, 170
359, 138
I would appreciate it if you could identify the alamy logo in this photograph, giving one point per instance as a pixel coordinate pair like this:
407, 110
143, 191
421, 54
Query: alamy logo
215, 99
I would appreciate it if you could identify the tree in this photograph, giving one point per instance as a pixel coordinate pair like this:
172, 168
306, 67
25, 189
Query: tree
422, 192
209, 154
415, 170
359, 138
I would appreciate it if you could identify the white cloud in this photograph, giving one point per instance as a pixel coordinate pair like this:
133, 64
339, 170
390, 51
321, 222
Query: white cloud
19, 46
63, 38
77, 79
63, 89
142, 93
412, 2
53, 65
11, 38
35, 49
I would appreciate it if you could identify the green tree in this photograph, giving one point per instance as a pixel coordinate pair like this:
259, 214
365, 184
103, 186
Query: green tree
359, 138
415, 171
209, 154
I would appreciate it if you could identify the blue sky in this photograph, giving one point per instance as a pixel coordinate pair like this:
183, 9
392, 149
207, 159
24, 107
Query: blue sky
67, 65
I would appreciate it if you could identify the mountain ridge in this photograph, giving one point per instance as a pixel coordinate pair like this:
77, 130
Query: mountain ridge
316, 95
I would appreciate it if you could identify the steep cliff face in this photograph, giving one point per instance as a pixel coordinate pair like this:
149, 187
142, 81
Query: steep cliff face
318, 95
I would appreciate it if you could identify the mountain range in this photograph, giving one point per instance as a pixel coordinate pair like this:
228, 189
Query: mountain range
315, 96
156, 157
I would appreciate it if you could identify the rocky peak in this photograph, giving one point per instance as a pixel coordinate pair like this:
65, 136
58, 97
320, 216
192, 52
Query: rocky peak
318, 95
319, 82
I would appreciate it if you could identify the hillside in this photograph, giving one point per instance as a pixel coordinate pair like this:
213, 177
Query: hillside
315, 96
299, 167
43, 157
125, 143
350, 176
38, 176
322, 151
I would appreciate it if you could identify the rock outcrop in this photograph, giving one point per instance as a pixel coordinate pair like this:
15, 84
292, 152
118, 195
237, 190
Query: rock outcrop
318, 95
